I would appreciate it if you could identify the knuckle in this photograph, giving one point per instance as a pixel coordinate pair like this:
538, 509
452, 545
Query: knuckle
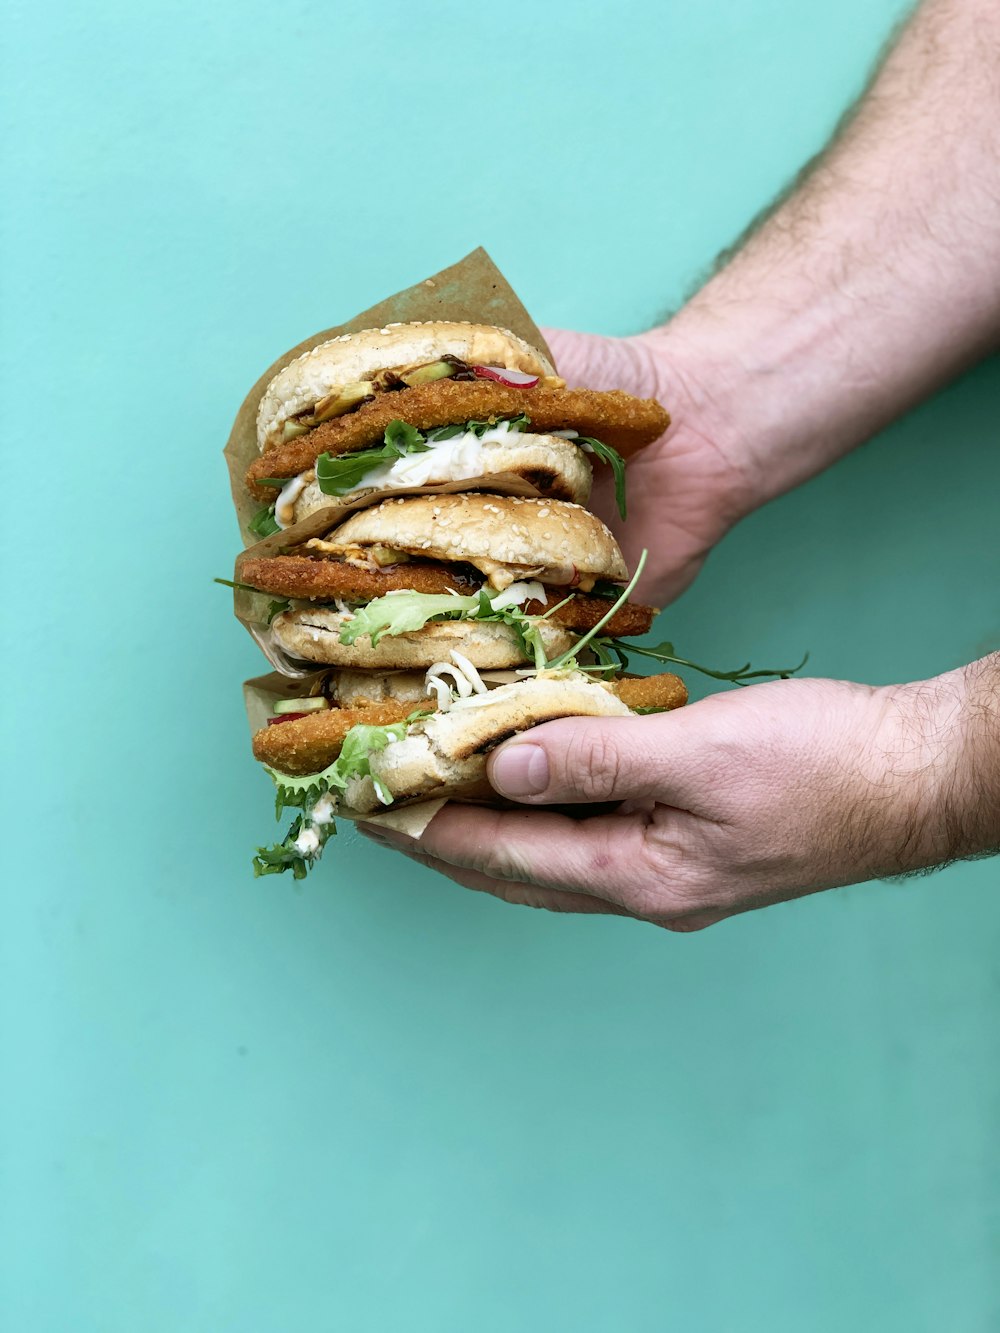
592, 763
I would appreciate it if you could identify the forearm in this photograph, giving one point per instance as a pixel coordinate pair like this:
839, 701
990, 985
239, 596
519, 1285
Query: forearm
874, 283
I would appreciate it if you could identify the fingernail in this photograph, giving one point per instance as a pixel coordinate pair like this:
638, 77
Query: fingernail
386, 837
520, 770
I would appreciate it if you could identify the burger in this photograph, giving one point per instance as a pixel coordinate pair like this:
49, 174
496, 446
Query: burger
430, 404
438, 583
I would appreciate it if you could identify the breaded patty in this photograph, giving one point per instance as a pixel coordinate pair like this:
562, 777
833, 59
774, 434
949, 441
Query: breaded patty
308, 744
326, 580
663, 691
616, 418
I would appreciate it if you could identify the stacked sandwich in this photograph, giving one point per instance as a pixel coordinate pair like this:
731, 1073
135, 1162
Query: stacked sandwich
432, 578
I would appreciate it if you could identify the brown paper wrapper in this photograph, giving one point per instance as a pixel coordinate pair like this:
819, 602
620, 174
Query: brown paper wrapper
474, 289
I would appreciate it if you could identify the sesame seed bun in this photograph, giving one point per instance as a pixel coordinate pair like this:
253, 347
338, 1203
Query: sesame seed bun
313, 636
358, 356
504, 537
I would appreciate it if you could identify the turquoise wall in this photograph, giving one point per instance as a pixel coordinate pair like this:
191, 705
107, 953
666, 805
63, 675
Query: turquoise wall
377, 1102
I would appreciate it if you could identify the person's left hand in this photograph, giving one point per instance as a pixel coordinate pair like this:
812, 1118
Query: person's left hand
741, 800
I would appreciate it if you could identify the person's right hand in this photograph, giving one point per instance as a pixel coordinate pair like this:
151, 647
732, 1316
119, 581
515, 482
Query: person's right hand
685, 491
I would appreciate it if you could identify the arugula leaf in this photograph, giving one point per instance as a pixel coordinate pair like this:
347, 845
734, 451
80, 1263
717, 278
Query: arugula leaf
664, 652
404, 438
264, 523
228, 583
279, 483
277, 607
605, 588
612, 457
337, 476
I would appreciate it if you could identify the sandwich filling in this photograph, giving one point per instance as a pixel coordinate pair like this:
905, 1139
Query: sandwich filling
407, 457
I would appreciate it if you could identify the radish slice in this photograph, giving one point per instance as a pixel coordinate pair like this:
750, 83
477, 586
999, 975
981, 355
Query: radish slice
514, 379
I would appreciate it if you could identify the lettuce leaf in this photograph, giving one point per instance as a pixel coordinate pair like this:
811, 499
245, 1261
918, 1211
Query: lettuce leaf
404, 612
305, 793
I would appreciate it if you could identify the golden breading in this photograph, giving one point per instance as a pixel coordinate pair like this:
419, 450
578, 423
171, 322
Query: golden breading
308, 744
663, 691
628, 424
583, 613
324, 580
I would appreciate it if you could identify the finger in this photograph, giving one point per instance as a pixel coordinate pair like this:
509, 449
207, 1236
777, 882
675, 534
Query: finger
599, 362
599, 858
595, 759
517, 892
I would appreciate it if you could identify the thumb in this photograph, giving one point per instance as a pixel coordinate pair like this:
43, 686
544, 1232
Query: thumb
584, 759
596, 361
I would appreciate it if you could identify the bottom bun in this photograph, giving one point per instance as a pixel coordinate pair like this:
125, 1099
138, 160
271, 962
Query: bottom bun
445, 755
490, 645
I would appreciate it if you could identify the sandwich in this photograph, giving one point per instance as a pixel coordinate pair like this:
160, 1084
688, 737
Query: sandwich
429, 742
430, 404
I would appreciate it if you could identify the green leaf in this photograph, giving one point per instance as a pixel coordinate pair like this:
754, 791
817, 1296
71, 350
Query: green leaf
441, 433
612, 457
228, 583
277, 607
337, 476
279, 483
402, 612
664, 652
479, 428
404, 438
354, 760
264, 523
571, 653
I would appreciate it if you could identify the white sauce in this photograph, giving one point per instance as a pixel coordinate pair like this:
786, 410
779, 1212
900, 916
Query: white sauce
323, 811
284, 506
307, 843
456, 459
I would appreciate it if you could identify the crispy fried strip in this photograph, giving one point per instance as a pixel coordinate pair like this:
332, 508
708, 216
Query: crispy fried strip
308, 744
663, 691
323, 580
616, 418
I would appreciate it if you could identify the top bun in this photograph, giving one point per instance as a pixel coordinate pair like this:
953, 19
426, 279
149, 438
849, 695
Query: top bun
504, 537
359, 356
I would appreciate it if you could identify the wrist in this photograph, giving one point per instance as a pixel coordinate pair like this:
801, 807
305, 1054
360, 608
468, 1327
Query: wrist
941, 750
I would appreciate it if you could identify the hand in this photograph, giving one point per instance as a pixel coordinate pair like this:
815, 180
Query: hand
744, 799
686, 490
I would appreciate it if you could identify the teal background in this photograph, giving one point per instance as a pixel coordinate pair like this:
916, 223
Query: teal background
376, 1101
